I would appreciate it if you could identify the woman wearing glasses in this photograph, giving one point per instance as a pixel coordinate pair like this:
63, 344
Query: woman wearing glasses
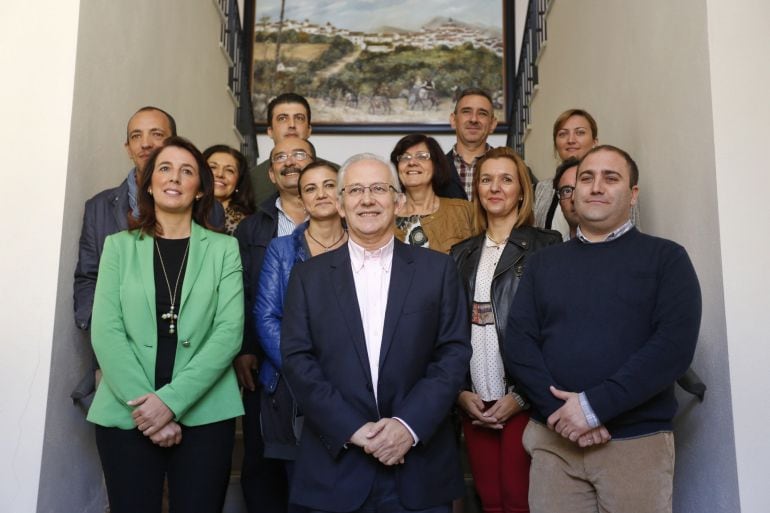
317, 186
490, 266
427, 220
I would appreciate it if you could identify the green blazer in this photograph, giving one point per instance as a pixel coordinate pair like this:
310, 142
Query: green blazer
203, 387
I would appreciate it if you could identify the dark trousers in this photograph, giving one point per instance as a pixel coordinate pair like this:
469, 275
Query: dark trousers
383, 497
198, 469
263, 480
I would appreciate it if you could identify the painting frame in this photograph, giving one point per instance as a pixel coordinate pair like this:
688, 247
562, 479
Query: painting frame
321, 126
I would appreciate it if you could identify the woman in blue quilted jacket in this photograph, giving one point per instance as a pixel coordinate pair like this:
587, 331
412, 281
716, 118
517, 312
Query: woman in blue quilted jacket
324, 231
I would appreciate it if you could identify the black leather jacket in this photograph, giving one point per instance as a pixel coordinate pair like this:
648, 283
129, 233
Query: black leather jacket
522, 242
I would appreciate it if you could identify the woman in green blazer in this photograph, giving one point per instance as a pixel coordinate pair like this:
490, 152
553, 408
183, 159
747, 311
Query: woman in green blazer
167, 323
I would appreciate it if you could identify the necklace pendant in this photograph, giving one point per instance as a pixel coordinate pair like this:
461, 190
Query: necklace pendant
172, 328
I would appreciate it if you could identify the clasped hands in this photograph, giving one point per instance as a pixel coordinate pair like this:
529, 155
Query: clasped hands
493, 417
570, 421
154, 419
388, 440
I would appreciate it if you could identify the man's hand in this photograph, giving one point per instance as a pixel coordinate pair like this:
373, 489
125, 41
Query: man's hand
362, 435
150, 413
389, 441
569, 420
168, 435
597, 436
245, 365
499, 413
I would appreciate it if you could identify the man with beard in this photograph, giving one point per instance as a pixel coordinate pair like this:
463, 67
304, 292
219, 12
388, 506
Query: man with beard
600, 329
473, 120
263, 480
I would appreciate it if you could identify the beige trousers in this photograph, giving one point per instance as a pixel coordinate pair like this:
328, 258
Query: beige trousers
622, 476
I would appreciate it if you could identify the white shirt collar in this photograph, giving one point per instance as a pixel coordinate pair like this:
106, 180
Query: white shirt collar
614, 234
359, 256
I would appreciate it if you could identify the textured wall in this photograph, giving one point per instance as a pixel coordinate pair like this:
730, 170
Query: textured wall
642, 69
129, 54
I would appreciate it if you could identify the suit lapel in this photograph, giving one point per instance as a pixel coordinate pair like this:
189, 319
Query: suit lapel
345, 289
145, 253
401, 275
199, 244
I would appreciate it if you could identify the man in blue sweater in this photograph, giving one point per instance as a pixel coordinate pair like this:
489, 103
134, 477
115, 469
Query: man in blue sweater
599, 331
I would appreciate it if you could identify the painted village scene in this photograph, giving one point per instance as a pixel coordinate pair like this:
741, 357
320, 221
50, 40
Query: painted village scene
373, 62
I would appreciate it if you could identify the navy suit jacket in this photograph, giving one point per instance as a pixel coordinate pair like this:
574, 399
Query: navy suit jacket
423, 363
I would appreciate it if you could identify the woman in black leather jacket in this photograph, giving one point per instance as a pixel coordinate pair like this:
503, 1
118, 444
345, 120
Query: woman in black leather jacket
490, 266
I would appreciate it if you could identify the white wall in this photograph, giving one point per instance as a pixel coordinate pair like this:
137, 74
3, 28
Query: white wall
739, 45
337, 148
643, 70
129, 54
35, 106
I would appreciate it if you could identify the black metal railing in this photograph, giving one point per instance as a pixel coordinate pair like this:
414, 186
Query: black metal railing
526, 73
237, 45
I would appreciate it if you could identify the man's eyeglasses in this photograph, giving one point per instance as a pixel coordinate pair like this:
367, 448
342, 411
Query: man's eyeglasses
376, 189
420, 155
565, 192
298, 155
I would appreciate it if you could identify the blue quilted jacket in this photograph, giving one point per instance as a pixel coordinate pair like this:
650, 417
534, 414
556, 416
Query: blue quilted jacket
280, 257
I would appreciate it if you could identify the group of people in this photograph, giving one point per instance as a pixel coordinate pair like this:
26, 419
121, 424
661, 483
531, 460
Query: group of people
360, 316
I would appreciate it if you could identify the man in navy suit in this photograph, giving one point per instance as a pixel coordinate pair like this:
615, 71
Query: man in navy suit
375, 343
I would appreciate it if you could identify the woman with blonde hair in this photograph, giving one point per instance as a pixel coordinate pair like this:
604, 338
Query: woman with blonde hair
490, 266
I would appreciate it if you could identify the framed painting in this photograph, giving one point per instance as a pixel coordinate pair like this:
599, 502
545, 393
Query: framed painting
382, 67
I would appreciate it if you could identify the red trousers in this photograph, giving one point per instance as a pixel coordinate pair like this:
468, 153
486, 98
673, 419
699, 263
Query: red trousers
499, 464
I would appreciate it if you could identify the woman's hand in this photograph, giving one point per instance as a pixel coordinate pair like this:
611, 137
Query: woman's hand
169, 435
471, 404
150, 413
499, 413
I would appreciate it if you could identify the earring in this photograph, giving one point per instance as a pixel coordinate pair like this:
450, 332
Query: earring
149, 191
236, 190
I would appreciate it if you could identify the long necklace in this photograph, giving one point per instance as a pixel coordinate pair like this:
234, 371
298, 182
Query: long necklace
326, 248
170, 316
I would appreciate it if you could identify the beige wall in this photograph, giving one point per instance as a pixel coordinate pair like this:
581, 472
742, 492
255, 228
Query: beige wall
739, 45
35, 108
129, 54
642, 69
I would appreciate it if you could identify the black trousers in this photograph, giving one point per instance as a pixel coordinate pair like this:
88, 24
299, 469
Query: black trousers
198, 469
263, 480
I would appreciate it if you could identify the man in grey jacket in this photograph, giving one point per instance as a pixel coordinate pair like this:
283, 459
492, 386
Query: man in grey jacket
107, 213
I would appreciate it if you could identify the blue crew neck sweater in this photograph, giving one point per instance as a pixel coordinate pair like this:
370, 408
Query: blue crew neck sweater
617, 320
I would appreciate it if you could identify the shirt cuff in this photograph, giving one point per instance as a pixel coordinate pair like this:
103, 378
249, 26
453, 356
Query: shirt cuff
591, 417
414, 435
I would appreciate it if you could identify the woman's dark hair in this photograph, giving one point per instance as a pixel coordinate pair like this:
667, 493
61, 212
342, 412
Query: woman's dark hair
242, 198
147, 222
315, 165
441, 171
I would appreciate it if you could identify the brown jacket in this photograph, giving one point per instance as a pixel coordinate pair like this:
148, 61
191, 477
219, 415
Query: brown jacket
450, 224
